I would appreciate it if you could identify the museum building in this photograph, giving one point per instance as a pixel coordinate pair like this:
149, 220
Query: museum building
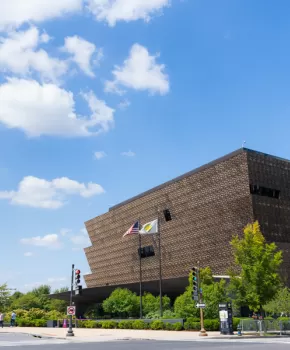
198, 212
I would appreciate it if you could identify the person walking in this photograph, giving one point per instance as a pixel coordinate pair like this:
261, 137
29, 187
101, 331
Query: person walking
13, 319
1, 320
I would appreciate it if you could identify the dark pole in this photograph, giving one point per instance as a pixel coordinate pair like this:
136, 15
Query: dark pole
70, 332
160, 269
140, 263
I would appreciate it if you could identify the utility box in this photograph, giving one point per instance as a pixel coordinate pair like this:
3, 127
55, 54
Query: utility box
226, 318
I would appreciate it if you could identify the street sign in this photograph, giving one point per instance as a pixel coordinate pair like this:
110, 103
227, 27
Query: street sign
71, 310
201, 306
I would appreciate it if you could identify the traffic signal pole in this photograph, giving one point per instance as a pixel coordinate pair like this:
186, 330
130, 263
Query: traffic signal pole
70, 332
202, 332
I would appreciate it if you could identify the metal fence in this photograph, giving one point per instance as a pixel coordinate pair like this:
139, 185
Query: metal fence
280, 327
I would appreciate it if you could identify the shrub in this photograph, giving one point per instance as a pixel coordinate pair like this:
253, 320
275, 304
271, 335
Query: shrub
157, 325
125, 324
122, 302
39, 323
236, 322
191, 325
139, 324
177, 326
36, 314
169, 326
212, 325
109, 324
167, 314
90, 324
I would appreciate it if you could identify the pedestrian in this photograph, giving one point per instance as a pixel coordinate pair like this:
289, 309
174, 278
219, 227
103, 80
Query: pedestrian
13, 319
1, 320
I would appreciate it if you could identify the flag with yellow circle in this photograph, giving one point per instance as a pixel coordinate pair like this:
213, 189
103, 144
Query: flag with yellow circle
149, 228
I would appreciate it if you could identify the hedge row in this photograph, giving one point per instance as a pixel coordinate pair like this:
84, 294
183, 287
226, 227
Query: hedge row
137, 324
190, 324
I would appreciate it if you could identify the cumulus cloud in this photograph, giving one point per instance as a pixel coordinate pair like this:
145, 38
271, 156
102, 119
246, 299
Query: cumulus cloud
19, 54
46, 109
99, 155
14, 13
49, 241
81, 239
40, 193
140, 71
112, 11
124, 104
128, 154
84, 53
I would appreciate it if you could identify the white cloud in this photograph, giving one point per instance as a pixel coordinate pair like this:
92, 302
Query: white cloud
81, 239
140, 71
102, 115
49, 241
65, 231
13, 13
84, 53
46, 109
19, 54
113, 11
40, 193
28, 254
124, 104
99, 155
128, 154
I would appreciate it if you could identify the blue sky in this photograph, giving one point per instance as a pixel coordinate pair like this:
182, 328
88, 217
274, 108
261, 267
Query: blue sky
103, 99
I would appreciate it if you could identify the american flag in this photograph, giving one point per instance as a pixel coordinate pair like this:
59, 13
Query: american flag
133, 230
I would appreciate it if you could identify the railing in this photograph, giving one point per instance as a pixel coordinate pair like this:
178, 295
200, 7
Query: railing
265, 326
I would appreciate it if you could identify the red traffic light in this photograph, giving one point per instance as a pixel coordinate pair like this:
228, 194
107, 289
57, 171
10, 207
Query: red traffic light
78, 272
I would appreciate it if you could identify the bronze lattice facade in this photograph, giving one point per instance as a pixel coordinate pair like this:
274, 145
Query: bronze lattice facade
208, 206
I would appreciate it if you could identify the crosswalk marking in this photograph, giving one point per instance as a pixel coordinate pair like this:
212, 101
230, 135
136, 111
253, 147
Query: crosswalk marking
32, 342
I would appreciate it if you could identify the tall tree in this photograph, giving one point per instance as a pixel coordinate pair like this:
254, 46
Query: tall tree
4, 297
258, 263
280, 304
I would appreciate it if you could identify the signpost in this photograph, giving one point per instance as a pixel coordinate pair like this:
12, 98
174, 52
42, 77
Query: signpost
200, 306
71, 310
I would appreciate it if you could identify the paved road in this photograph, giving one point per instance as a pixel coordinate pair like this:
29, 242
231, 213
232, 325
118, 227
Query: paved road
29, 343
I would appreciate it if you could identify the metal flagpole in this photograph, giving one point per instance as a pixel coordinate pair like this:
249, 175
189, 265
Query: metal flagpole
140, 281
160, 268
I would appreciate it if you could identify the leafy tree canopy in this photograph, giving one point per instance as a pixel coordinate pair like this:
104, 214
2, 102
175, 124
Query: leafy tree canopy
258, 262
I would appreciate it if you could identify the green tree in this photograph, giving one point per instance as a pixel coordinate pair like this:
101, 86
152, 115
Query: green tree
184, 306
258, 263
57, 304
122, 302
5, 297
151, 304
280, 304
26, 302
212, 292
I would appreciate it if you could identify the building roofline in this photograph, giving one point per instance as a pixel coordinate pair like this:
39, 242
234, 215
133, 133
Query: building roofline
201, 168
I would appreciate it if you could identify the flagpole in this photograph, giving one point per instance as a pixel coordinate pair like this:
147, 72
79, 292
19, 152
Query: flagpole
160, 269
140, 279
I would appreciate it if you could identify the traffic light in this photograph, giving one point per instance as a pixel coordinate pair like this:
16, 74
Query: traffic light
79, 290
195, 276
77, 277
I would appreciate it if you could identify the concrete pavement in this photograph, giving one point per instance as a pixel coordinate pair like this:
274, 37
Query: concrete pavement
92, 335
112, 335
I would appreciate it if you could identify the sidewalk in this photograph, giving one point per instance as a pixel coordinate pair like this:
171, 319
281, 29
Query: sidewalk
102, 335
